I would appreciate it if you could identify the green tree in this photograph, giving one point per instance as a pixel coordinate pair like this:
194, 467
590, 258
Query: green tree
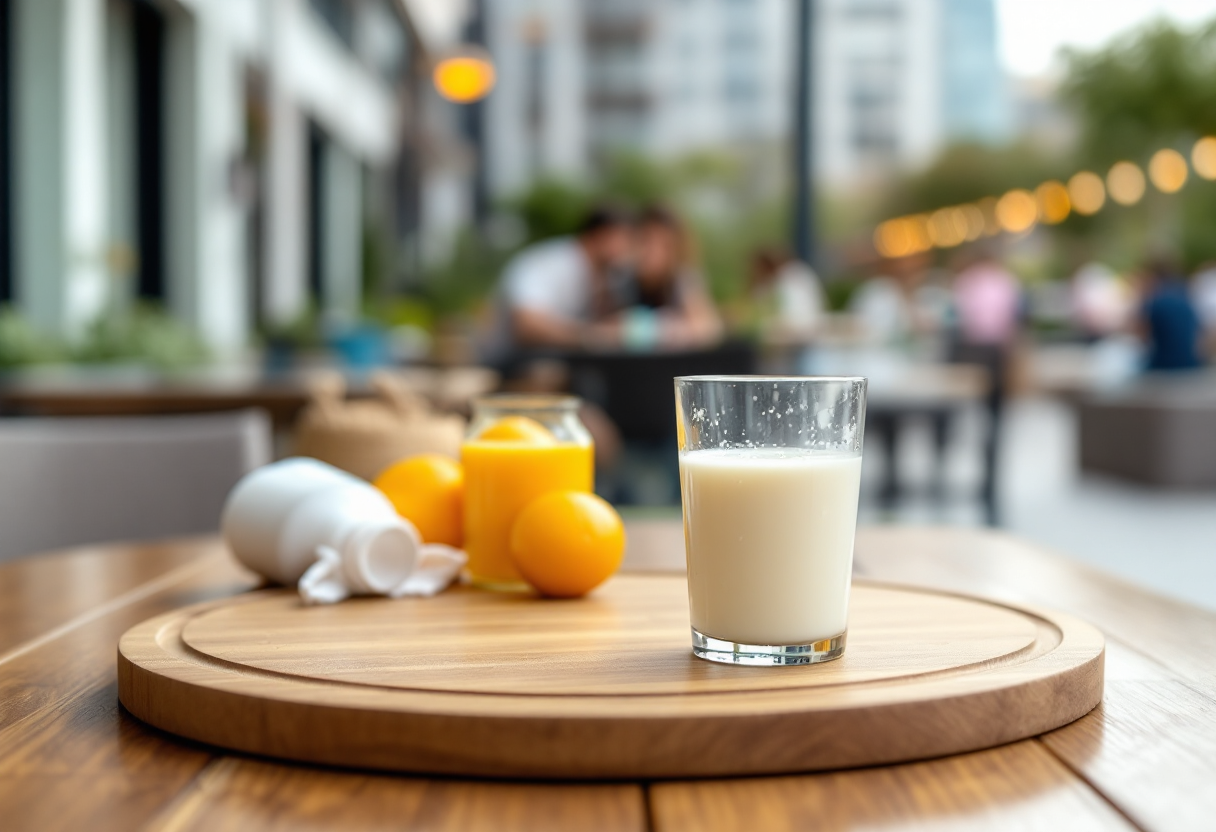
966, 172
1154, 87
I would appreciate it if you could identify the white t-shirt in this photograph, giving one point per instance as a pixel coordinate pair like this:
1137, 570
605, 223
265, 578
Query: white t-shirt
553, 277
799, 296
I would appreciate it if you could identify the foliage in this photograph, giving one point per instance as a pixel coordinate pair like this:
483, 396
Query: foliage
550, 208
469, 276
144, 333
967, 171
1149, 89
21, 344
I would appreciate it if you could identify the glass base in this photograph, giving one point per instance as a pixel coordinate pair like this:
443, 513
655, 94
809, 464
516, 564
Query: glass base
728, 652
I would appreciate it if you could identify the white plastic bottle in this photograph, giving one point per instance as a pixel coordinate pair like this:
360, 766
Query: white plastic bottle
302, 521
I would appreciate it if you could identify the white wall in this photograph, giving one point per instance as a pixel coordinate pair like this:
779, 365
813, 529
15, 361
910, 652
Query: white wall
60, 151
342, 235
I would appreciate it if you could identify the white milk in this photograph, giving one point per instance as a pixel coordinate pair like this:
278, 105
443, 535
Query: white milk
769, 538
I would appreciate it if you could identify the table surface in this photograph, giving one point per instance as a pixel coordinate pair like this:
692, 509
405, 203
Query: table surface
138, 391
70, 758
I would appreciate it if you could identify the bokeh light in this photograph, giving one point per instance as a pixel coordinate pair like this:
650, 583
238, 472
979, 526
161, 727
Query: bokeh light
1016, 211
918, 225
1087, 193
987, 207
947, 227
1125, 182
893, 238
1167, 170
1203, 157
464, 78
974, 218
1054, 204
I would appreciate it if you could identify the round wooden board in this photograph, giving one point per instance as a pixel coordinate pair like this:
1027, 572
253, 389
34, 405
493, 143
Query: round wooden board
476, 683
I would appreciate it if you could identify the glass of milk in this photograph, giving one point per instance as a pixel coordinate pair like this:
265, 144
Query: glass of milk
770, 468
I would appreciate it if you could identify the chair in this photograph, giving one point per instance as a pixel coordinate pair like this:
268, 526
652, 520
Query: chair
636, 390
72, 481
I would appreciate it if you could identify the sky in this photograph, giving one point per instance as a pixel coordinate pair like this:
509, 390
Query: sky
1032, 31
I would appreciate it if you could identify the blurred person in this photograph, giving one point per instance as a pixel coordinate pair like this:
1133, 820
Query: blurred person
897, 305
1101, 302
670, 305
988, 303
1168, 320
559, 294
788, 293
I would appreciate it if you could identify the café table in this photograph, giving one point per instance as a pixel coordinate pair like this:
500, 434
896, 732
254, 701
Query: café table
71, 758
136, 391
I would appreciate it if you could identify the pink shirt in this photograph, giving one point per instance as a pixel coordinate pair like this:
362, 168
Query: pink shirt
986, 296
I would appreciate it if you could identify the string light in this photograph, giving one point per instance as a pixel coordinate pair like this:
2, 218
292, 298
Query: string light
1125, 183
1053, 202
1087, 193
1203, 157
1016, 211
1167, 170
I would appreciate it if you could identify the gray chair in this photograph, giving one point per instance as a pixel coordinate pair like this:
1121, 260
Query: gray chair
71, 481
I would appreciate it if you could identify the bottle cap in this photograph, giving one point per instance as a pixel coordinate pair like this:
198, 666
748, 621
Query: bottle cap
379, 555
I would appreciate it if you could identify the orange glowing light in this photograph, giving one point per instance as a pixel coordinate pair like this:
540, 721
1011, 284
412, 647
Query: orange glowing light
1167, 169
1054, 203
464, 78
987, 207
1016, 211
1203, 157
1087, 193
893, 238
947, 227
1125, 182
973, 216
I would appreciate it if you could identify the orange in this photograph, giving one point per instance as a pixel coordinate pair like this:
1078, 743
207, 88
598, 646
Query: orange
567, 543
517, 429
428, 490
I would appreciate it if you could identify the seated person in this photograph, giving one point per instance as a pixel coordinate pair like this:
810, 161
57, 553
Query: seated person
1169, 322
557, 294
787, 293
670, 306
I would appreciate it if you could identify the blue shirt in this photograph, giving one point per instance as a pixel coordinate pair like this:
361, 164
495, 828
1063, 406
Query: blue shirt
1173, 328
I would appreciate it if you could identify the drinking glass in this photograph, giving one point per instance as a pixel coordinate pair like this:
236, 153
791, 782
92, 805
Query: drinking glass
502, 477
770, 468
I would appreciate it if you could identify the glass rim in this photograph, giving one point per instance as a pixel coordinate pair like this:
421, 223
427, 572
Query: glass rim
766, 379
528, 401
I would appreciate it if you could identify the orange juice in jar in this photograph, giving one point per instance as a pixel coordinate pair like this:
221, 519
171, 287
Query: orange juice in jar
518, 448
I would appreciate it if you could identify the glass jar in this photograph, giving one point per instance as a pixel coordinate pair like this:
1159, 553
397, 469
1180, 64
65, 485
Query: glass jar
511, 466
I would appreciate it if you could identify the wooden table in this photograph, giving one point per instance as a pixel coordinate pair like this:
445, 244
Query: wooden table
141, 392
71, 759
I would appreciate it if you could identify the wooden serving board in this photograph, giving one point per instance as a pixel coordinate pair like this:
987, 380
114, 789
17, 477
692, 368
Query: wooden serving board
476, 683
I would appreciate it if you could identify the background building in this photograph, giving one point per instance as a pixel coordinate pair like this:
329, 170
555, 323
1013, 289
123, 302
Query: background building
895, 81
230, 159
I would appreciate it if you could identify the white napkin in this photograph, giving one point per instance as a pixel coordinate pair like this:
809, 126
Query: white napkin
437, 566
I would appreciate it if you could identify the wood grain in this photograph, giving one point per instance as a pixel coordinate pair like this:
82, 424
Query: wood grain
1017, 787
1150, 746
71, 759
42, 592
629, 638
1177, 635
604, 687
1149, 749
239, 795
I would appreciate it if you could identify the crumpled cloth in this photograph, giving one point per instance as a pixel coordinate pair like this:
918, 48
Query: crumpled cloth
437, 567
